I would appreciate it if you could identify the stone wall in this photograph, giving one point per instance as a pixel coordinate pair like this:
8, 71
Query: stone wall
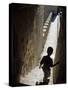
59, 71
28, 40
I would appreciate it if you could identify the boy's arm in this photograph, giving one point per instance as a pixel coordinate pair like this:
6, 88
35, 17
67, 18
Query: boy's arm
55, 64
40, 66
41, 63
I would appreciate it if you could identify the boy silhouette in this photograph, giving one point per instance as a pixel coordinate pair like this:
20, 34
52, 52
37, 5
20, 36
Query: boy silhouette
46, 64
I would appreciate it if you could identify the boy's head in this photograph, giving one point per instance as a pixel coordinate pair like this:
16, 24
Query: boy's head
50, 50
